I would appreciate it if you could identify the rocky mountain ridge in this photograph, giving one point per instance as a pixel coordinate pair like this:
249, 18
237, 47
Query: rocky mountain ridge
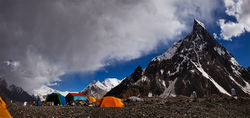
14, 93
196, 63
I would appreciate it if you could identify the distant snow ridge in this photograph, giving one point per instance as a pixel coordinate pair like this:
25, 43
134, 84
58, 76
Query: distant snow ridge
98, 89
44, 90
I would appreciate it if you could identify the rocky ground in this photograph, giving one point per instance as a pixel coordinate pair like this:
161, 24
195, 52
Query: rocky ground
213, 106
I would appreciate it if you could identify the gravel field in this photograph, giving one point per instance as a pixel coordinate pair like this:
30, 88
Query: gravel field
213, 106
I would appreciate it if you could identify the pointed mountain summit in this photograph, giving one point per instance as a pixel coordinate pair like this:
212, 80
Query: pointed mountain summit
196, 63
198, 25
98, 89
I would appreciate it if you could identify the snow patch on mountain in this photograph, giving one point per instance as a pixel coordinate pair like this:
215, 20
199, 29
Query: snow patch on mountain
169, 91
220, 88
246, 89
219, 51
169, 54
234, 62
162, 71
144, 78
236, 66
163, 83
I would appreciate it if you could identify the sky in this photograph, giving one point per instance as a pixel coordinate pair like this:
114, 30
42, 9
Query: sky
66, 44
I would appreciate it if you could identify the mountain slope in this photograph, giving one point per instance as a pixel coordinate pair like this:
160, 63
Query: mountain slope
196, 63
13, 92
98, 89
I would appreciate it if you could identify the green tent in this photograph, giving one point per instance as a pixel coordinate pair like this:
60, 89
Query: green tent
57, 98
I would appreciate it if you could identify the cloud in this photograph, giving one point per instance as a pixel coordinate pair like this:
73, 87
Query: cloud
53, 38
241, 11
230, 29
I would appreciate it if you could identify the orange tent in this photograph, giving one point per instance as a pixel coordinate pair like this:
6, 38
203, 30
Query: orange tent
110, 101
4, 113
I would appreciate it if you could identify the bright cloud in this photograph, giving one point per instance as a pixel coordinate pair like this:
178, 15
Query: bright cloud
241, 11
53, 38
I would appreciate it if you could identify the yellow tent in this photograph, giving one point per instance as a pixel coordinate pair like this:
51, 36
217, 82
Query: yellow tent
110, 101
92, 99
4, 113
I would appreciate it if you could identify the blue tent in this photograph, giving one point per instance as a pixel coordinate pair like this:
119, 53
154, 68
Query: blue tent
57, 98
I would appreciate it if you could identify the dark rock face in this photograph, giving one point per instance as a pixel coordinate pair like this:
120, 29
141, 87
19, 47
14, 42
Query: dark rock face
196, 63
14, 93
126, 88
3, 89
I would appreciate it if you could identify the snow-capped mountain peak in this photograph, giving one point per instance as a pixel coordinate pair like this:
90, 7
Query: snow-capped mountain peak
198, 28
199, 22
44, 90
98, 84
195, 63
98, 89
111, 83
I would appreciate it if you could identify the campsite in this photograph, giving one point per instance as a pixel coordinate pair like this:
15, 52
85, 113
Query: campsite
213, 106
124, 58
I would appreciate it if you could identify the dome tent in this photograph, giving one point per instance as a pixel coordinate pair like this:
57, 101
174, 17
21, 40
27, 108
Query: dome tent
57, 98
110, 101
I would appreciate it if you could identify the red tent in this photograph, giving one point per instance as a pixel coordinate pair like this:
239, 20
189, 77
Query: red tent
75, 96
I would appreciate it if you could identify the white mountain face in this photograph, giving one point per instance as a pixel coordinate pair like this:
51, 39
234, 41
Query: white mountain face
111, 83
44, 90
98, 89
